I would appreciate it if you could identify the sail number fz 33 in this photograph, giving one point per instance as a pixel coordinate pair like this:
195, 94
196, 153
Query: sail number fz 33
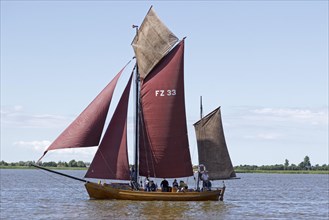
168, 92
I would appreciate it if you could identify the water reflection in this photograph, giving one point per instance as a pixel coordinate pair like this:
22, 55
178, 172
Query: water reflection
156, 209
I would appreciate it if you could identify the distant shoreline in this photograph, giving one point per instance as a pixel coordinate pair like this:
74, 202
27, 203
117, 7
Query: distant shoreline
237, 171
285, 171
52, 168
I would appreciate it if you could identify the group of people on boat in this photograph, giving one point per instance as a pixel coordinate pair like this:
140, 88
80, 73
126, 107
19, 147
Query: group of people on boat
151, 186
181, 187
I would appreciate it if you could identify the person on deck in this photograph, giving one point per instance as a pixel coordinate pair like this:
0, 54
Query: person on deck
205, 180
147, 184
182, 186
175, 184
132, 174
164, 185
153, 186
133, 180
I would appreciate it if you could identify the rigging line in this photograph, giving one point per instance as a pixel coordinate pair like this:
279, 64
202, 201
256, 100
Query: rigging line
128, 62
57, 179
59, 173
44, 156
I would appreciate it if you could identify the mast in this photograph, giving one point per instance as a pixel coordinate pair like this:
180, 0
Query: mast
201, 115
201, 109
136, 148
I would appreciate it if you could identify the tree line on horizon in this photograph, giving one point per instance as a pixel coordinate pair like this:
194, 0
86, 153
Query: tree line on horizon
71, 163
304, 165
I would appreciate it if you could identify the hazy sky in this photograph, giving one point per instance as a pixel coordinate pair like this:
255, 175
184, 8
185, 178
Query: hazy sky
264, 62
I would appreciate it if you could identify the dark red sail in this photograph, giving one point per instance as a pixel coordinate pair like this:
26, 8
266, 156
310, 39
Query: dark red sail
86, 129
111, 159
164, 149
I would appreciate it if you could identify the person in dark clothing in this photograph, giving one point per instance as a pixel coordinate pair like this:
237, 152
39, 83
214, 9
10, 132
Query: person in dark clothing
153, 186
175, 184
164, 185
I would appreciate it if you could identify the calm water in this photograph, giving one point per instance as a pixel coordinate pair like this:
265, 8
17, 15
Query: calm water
35, 194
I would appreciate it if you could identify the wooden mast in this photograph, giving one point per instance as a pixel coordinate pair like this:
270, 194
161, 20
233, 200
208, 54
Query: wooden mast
201, 115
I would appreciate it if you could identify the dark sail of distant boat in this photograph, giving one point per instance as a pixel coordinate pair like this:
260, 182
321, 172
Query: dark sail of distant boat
212, 149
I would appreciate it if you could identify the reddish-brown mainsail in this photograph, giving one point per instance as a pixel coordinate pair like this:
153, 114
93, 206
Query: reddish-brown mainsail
164, 149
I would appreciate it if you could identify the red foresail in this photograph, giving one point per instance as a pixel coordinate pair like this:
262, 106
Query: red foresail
111, 159
164, 149
86, 129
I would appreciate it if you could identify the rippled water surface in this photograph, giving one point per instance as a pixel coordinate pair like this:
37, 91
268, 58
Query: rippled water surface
35, 194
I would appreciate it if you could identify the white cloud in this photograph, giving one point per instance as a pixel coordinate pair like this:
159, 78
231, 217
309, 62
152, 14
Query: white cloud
279, 125
17, 118
85, 154
264, 136
82, 151
60, 154
41, 146
18, 107
312, 116
34, 145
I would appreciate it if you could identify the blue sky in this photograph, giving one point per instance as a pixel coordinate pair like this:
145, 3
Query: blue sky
264, 62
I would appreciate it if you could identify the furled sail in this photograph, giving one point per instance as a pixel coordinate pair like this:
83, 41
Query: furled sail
111, 158
152, 42
163, 146
212, 147
86, 129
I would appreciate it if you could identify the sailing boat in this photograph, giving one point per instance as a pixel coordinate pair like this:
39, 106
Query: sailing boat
161, 141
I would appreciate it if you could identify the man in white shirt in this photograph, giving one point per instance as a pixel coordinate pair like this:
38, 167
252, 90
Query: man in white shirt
205, 180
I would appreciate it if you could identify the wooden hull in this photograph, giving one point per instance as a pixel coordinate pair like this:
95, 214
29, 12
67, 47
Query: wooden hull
99, 191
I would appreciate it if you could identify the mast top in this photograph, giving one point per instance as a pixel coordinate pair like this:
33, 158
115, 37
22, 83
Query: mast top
201, 108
